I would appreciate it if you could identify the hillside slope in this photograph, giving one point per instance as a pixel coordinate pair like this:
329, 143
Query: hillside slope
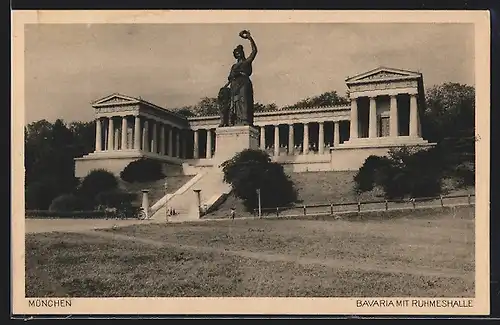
324, 187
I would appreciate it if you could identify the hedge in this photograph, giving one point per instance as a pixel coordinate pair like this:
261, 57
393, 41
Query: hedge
46, 214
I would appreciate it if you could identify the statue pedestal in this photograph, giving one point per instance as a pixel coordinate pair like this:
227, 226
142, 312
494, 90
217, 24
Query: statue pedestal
233, 139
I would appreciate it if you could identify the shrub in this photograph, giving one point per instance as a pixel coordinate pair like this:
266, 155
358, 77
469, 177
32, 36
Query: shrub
97, 181
67, 203
115, 198
142, 170
39, 195
46, 214
250, 170
365, 177
404, 172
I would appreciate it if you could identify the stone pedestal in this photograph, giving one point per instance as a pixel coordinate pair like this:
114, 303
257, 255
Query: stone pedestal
233, 139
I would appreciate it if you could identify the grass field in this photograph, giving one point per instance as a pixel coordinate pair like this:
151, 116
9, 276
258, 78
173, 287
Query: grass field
415, 254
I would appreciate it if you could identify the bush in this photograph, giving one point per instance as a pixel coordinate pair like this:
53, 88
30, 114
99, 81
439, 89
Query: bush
45, 214
39, 195
97, 181
365, 177
250, 170
115, 198
67, 203
405, 172
142, 170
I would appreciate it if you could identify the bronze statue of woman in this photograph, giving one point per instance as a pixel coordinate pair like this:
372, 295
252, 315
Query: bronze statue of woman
240, 83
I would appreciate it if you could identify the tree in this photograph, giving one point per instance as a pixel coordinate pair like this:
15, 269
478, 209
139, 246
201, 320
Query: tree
97, 181
329, 98
258, 107
142, 170
450, 112
84, 137
49, 154
250, 170
207, 106
186, 111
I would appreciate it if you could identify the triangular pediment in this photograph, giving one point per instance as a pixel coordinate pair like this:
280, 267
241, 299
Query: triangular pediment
114, 99
383, 73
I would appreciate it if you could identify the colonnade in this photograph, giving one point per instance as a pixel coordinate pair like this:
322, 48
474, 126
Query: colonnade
140, 133
414, 122
305, 145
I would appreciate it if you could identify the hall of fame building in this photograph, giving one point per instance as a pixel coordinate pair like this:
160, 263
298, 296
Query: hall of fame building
385, 111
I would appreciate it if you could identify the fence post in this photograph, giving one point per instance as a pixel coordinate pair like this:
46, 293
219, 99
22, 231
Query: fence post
331, 209
441, 199
468, 199
386, 205
305, 211
277, 211
359, 206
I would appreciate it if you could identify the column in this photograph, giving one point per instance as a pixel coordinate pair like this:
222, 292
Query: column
354, 119
98, 135
276, 140
124, 133
305, 144
393, 117
184, 144
178, 143
263, 137
137, 133
196, 150
145, 136
111, 134
413, 116
321, 138
209, 144
291, 136
162, 139
336, 133
154, 137
170, 141
117, 139
372, 130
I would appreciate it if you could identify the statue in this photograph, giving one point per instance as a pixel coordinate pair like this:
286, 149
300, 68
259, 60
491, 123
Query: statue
239, 110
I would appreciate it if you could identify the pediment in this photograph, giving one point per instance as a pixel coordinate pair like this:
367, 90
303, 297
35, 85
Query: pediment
383, 73
115, 99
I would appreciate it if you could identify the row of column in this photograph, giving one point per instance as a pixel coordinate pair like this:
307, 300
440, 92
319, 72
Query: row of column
196, 144
116, 138
305, 139
393, 117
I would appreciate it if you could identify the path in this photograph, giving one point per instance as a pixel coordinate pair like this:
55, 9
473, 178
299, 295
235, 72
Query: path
272, 257
76, 225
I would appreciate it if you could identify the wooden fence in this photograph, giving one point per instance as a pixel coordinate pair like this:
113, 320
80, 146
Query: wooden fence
364, 206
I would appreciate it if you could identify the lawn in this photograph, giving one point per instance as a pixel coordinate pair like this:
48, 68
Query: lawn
429, 255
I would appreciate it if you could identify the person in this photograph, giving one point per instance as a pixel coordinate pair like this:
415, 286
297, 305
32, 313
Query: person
233, 213
240, 84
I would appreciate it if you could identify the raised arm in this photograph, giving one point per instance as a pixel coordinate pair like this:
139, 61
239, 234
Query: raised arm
252, 55
246, 35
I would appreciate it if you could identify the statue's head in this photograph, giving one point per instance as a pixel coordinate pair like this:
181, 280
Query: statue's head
238, 52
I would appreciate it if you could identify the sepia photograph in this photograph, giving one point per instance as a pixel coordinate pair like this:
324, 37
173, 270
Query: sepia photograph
269, 159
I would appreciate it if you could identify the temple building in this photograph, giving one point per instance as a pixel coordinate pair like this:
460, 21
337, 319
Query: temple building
385, 111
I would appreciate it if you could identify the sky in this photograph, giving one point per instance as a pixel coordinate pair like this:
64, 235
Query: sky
68, 66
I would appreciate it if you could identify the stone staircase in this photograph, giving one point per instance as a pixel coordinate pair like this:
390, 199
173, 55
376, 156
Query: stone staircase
213, 191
